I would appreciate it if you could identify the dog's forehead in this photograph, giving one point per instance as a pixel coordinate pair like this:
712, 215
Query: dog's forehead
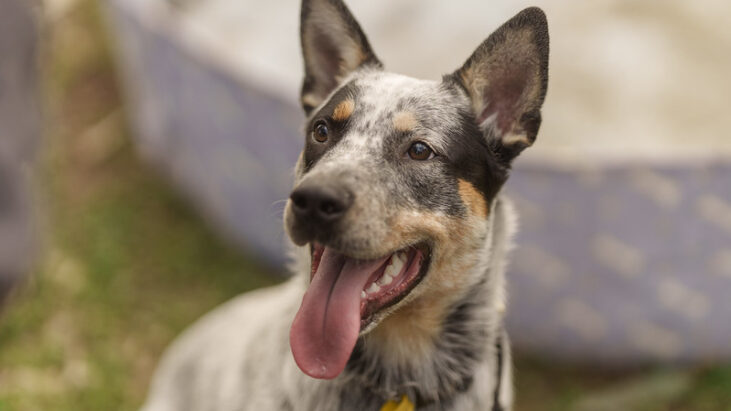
381, 103
380, 93
387, 90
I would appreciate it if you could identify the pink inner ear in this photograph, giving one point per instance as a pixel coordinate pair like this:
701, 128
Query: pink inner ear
502, 95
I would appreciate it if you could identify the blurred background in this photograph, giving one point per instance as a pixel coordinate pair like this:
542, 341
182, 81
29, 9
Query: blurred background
145, 148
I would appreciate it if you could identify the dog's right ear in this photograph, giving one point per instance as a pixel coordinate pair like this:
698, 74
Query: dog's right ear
506, 80
333, 46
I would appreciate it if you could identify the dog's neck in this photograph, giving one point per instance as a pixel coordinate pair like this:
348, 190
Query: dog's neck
433, 376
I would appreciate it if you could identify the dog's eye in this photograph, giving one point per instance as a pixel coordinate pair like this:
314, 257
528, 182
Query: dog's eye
420, 151
320, 131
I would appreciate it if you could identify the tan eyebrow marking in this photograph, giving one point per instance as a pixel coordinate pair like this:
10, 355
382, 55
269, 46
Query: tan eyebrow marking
472, 198
343, 110
404, 121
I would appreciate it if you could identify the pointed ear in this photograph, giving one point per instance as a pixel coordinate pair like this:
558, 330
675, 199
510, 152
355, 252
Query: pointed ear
506, 79
333, 46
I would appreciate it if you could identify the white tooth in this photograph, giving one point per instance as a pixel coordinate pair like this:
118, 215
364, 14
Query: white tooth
374, 288
391, 270
385, 279
362, 294
396, 267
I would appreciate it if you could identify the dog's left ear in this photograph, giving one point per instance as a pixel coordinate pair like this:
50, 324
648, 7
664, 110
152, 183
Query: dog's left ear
333, 46
506, 79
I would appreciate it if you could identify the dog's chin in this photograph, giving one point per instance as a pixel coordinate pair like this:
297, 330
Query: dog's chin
390, 285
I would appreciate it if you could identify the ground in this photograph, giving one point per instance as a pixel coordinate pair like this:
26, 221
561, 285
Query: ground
127, 264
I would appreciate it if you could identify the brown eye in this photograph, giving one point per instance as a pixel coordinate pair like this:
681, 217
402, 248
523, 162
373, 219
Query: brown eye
320, 131
420, 151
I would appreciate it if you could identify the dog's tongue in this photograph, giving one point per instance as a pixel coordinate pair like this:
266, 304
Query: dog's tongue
327, 324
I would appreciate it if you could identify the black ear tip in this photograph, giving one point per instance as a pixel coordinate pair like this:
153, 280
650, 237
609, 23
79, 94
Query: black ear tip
532, 16
533, 13
535, 19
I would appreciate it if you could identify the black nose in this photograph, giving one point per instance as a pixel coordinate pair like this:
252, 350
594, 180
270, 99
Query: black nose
320, 203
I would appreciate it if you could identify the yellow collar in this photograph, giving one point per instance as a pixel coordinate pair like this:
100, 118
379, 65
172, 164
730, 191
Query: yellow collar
404, 405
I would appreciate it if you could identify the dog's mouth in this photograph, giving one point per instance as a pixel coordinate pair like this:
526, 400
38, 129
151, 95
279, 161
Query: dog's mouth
343, 298
389, 283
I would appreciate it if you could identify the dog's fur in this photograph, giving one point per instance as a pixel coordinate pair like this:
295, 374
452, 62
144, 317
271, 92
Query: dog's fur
443, 344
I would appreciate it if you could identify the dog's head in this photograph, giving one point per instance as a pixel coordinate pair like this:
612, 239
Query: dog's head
396, 182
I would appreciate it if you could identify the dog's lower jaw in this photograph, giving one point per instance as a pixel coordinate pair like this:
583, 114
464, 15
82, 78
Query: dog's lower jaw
409, 335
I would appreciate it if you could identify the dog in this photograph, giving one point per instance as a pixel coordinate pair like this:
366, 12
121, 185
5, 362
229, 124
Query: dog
401, 238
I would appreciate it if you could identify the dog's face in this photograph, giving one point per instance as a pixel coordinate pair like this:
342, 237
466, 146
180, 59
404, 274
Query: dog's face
395, 185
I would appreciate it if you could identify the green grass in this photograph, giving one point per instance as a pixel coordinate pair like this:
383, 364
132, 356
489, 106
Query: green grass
127, 265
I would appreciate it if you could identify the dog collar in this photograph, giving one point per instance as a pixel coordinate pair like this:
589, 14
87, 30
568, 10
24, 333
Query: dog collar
404, 405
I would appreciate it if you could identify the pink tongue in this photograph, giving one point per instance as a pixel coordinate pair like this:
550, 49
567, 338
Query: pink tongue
327, 324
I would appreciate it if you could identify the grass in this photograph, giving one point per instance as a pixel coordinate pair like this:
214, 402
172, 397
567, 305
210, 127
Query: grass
127, 265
